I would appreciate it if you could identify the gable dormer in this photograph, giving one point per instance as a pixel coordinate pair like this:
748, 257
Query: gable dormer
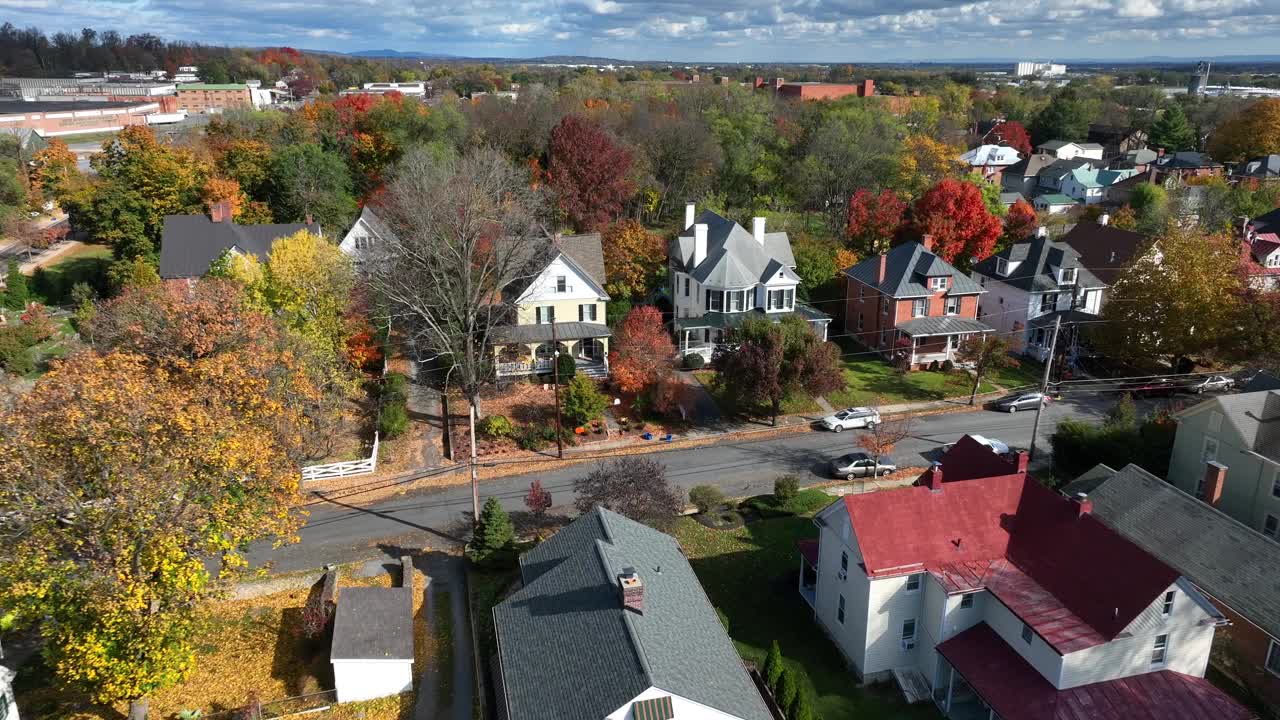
1005, 267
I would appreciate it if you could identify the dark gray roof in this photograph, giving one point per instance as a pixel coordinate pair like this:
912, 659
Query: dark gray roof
1262, 380
1031, 165
1185, 159
583, 252
1104, 249
542, 332
906, 268
1267, 222
569, 651
1009, 198
1063, 168
1229, 561
942, 325
1038, 260
373, 623
734, 258
1054, 144
735, 319
1267, 166
188, 243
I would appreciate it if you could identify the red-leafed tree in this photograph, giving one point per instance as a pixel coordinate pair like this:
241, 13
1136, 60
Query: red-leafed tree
1013, 134
588, 172
645, 351
1020, 222
954, 213
873, 220
538, 499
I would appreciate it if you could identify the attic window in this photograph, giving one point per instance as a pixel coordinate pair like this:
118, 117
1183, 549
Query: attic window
1002, 266
1068, 276
938, 283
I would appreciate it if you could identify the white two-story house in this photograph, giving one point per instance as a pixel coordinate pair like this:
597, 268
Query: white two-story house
721, 274
1031, 284
995, 597
368, 233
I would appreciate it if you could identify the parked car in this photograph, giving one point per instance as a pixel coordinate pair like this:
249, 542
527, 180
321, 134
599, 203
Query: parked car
859, 465
1152, 387
1213, 383
996, 446
851, 419
1020, 401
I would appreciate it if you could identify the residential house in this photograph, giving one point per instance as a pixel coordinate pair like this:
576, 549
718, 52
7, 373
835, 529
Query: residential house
367, 233
610, 623
1262, 250
1241, 432
1024, 176
1233, 565
1106, 250
1121, 192
721, 275
190, 243
911, 305
1053, 176
372, 647
1089, 184
1182, 165
995, 597
1054, 203
1066, 150
1031, 284
559, 308
1116, 139
989, 161
1139, 159
1259, 169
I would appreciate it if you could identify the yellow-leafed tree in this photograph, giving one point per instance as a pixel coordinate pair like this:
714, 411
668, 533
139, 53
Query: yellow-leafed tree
308, 282
1250, 133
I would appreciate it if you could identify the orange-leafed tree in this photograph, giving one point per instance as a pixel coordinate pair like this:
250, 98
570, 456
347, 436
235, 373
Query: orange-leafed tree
881, 438
1013, 134
644, 350
589, 172
1020, 222
873, 220
217, 189
954, 213
633, 259
1251, 132
54, 170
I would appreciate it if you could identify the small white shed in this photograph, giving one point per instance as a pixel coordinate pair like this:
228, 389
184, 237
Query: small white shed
372, 651
8, 704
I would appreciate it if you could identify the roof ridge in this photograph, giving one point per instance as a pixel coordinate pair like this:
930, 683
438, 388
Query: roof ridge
628, 622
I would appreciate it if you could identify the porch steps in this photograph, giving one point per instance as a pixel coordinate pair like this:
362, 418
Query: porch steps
912, 682
597, 372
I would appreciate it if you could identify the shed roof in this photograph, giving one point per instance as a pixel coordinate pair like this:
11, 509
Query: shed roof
373, 623
930, 326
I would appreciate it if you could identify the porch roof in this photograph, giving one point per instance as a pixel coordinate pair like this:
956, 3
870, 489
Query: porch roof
542, 333
725, 320
944, 325
1069, 317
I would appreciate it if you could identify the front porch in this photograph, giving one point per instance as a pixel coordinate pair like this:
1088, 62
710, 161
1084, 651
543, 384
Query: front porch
936, 339
702, 335
532, 349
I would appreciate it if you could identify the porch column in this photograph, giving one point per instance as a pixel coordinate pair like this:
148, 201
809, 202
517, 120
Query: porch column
951, 684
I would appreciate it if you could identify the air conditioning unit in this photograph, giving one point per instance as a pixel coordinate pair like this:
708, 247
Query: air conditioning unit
842, 575
908, 644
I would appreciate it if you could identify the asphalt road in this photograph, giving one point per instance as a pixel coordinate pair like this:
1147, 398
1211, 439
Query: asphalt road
341, 530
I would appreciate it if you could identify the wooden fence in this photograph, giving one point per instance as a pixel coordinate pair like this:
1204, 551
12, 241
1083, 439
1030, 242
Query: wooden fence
347, 468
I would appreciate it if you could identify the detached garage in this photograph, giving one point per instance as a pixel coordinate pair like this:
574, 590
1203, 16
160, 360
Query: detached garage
372, 652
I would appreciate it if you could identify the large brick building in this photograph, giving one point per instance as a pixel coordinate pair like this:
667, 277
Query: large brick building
819, 90
911, 305
202, 97
63, 118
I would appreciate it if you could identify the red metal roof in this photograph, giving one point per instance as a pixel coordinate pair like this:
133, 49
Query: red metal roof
969, 459
1016, 691
1076, 582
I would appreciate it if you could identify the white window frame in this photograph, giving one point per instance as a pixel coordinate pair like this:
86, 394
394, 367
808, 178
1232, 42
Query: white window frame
1045, 305
1063, 276
1002, 267
884, 305
1160, 651
714, 294
737, 301
938, 282
545, 314
587, 312
908, 640
953, 306
562, 283
915, 578
967, 600
919, 307
1273, 656
1166, 608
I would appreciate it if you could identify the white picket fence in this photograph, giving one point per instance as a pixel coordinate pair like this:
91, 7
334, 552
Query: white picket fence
343, 469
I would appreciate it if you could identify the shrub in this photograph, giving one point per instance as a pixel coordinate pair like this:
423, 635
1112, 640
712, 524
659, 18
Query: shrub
494, 532
582, 402
801, 708
785, 488
635, 486
566, 367
933, 366
535, 437
706, 497
694, 361
394, 387
16, 294
497, 426
538, 499
772, 670
787, 689
948, 365
393, 420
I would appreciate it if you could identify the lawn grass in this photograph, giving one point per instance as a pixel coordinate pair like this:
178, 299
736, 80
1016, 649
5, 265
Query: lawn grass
807, 501
869, 380
793, 405
751, 575
1028, 372
87, 263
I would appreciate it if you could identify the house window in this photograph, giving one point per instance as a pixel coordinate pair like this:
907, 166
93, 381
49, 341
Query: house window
840, 611
1027, 634
966, 600
1002, 266
789, 299
884, 337
562, 284
1210, 450
1275, 485
913, 583
953, 306
1069, 276
546, 314
909, 634
919, 307
781, 299
1273, 658
1048, 302
1167, 607
1271, 527
859, 321
587, 312
862, 291
1160, 651
844, 562
715, 300
938, 283
686, 287
884, 306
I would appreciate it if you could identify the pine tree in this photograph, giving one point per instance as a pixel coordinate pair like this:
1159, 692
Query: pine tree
801, 708
1172, 132
787, 690
772, 669
493, 532
16, 294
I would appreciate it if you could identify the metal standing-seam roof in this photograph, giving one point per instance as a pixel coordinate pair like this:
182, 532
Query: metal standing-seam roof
734, 258
1038, 259
569, 650
1235, 564
189, 243
906, 268
942, 325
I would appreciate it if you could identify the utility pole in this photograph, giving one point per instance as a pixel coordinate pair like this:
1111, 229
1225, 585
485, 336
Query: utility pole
555, 374
1044, 387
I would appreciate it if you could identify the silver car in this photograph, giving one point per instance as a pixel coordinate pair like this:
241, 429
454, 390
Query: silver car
1213, 383
851, 419
1020, 401
859, 465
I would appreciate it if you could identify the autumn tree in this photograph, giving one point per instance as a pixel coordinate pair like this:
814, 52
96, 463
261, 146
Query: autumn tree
925, 162
54, 170
636, 487
538, 499
874, 220
248, 162
634, 259
954, 213
307, 181
880, 439
130, 495
1019, 223
852, 147
1171, 131
1252, 132
985, 353
1066, 117
1013, 134
589, 172
307, 281
769, 362
643, 350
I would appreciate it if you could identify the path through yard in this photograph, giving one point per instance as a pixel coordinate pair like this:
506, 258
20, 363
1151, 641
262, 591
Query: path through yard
447, 688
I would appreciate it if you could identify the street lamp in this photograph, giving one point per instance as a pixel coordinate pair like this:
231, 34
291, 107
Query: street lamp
555, 375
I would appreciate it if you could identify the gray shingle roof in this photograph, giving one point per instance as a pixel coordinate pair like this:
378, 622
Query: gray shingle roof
1234, 564
373, 623
542, 332
1038, 261
1255, 416
569, 651
734, 258
1104, 249
189, 243
1266, 166
586, 252
906, 268
1185, 159
375, 223
944, 325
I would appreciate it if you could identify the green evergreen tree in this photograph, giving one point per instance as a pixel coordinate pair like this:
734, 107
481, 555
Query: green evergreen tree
1172, 132
493, 532
772, 669
16, 293
801, 708
787, 690
582, 402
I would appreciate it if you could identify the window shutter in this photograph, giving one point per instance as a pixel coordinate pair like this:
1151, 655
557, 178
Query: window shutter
582, 313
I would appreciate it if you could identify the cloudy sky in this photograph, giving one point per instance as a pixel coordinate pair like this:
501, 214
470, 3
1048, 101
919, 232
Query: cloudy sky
695, 30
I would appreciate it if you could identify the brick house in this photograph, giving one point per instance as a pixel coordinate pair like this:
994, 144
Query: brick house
818, 90
203, 97
911, 305
1182, 165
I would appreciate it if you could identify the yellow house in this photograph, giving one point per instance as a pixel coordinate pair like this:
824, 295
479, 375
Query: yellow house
559, 308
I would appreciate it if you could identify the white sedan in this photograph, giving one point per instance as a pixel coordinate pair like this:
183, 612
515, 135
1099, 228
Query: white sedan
851, 419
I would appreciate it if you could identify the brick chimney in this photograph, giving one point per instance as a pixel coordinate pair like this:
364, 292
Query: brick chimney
935, 477
220, 211
1083, 504
631, 590
308, 219
1215, 477
1024, 460
927, 242
884, 267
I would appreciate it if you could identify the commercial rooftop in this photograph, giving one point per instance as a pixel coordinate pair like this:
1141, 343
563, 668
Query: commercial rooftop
20, 107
